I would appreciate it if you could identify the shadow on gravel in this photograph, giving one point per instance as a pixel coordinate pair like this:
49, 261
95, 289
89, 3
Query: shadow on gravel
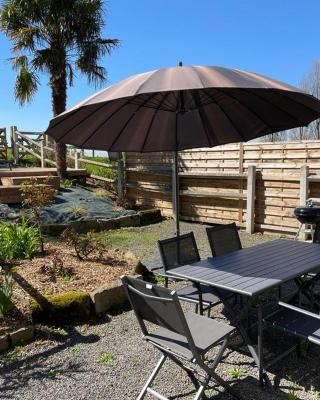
16, 374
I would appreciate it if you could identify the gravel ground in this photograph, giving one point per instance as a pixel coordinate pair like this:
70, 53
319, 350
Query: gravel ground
108, 360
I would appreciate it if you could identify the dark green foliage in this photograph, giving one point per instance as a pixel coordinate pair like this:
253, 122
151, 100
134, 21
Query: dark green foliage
64, 308
18, 241
6, 291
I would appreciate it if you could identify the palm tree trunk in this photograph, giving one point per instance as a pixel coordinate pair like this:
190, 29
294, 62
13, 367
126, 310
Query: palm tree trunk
58, 85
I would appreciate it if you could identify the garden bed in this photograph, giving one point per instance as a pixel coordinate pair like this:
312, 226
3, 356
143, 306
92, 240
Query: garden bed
58, 270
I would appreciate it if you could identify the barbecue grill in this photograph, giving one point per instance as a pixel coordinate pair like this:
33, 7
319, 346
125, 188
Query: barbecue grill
307, 215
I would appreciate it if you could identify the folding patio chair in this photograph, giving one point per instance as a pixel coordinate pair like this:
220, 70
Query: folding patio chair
296, 321
183, 250
183, 338
223, 239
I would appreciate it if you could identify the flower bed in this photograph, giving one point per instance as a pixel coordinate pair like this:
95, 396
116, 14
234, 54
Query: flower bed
59, 271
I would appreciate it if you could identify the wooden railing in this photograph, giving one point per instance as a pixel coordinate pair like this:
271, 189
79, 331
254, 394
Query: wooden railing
38, 145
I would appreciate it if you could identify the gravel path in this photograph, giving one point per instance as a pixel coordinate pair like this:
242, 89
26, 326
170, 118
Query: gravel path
108, 360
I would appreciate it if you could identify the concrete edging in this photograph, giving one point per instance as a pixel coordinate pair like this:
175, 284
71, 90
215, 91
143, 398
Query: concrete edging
140, 218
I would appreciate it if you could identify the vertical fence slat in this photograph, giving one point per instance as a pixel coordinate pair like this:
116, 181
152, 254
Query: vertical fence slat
251, 195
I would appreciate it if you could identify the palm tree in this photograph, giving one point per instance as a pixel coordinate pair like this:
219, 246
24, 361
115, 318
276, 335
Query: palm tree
57, 37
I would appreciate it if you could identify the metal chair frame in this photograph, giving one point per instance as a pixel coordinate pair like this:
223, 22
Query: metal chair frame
231, 227
200, 304
162, 299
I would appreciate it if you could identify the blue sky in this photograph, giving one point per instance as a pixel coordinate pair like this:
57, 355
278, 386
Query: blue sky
276, 38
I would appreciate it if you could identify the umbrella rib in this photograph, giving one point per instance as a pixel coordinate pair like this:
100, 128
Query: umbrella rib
226, 115
102, 123
128, 121
283, 93
152, 119
82, 120
276, 106
196, 98
248, 108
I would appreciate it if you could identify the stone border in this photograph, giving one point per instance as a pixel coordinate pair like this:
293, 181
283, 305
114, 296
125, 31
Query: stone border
12, 339
105, 298
141, 218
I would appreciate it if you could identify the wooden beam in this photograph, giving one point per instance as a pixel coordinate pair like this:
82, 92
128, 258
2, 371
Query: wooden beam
251, 188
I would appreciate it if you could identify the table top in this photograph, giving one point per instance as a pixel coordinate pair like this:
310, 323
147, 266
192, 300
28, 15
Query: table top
254, 270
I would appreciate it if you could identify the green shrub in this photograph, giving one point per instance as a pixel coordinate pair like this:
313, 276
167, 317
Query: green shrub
18, 241
63, 308
6, 291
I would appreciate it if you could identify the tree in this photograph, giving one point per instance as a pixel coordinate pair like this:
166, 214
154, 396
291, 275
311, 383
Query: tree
57, 37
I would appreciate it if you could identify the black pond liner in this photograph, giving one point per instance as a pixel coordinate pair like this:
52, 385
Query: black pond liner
64, 208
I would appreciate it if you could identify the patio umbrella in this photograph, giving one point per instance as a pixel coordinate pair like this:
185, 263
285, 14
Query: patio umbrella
183, 107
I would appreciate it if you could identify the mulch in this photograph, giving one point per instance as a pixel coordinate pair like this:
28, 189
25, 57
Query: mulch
58, 270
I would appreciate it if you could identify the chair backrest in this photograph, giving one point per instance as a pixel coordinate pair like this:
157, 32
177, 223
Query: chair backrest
157, 305
223, 239
316, 234
179, 250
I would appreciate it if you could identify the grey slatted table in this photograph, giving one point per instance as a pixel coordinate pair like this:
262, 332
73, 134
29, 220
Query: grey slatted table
253, 271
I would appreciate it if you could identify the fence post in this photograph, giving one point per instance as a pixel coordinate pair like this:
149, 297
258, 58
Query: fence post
251, 191
120, 177
42, 153
304, 193
14, 146
76, 160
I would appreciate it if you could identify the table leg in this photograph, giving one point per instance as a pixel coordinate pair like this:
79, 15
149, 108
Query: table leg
200, 297
260, 346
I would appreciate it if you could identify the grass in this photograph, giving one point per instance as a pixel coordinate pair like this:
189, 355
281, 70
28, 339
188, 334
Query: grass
101, 171
106, 358
130, 239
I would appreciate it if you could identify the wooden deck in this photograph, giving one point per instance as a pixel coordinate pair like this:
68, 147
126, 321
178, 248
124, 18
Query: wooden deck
10, 180
37, 171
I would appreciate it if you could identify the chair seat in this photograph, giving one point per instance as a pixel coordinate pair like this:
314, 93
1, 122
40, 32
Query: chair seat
296, 323
206, 333
191, 293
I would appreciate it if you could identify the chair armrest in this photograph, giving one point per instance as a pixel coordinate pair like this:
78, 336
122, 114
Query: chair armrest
299, 310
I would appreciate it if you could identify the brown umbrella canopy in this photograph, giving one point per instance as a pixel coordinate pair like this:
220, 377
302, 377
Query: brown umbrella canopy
185, 107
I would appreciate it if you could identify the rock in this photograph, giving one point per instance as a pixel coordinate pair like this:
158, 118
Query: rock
63, 308
109, 297
148, 217
22, 335
4, 343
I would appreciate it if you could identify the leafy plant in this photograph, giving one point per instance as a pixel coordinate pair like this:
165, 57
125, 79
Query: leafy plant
106, 358
56, 268
67, 183
18, 241
6, 291
34, 198
292, 396
82, 244
236, 373
77, 211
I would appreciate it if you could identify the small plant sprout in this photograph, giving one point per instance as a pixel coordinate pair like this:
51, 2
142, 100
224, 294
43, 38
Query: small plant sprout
106, 358
53, 373
77, 211
160, 280
291, 395
315, 393
236, 373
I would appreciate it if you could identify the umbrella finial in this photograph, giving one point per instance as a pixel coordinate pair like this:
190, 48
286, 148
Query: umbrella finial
180, 64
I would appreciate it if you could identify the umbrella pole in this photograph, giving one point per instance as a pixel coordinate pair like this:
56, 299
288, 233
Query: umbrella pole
175, 192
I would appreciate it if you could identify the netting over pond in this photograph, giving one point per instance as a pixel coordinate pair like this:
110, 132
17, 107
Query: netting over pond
75, 204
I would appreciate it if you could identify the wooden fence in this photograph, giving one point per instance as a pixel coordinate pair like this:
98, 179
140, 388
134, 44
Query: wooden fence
214, 186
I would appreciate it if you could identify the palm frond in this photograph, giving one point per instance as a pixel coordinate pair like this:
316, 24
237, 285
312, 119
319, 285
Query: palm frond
26, 85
